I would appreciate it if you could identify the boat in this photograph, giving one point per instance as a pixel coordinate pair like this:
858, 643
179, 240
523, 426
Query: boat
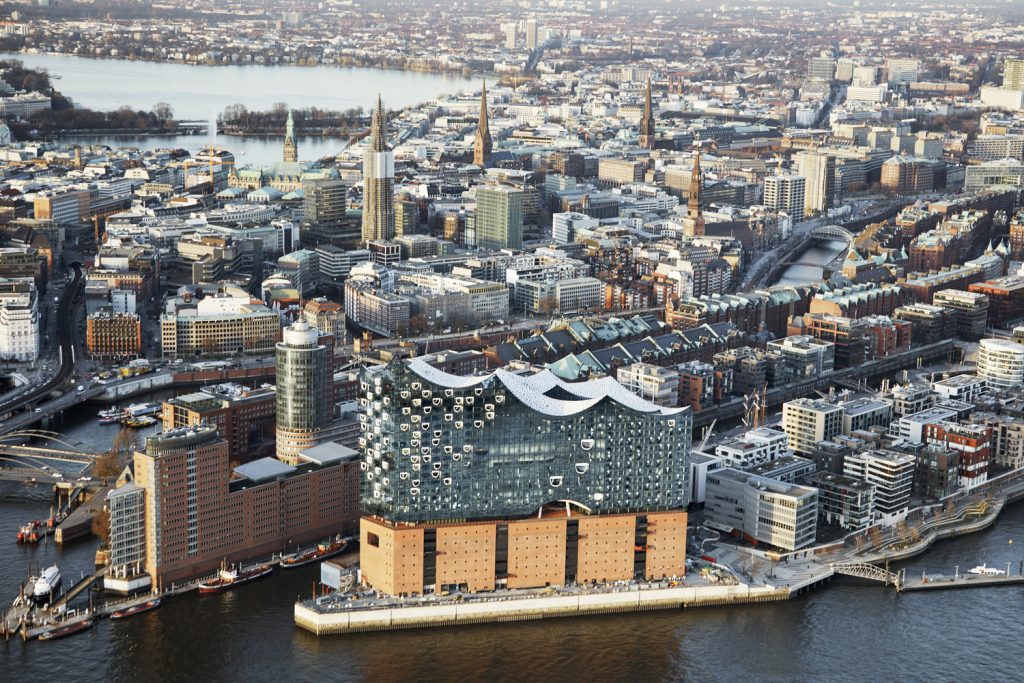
69, 630
110, 420
986, 571
136, 422
30, 533
323, 551
136, 609
112, 413
140, 409
46, 585
232, 578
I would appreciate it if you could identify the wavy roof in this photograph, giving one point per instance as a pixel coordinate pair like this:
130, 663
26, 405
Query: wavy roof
531, 390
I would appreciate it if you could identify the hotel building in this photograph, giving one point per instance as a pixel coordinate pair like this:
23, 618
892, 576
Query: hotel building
510, 481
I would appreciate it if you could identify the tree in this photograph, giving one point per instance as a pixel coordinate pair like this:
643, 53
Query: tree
101, 526
163, 111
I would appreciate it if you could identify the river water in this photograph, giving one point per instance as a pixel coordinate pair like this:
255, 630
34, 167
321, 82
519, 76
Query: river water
202, 92
846, 631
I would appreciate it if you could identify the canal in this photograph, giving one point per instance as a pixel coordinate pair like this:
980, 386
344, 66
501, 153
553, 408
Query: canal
811, 264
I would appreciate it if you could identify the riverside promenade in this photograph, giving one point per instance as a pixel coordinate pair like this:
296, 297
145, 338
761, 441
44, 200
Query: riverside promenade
749, 576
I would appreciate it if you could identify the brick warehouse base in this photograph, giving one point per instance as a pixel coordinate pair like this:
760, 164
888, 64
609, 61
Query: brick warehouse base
556, 549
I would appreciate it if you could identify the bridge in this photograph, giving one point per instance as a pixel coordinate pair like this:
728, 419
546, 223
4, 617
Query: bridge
864, 570
833, 232
23, 462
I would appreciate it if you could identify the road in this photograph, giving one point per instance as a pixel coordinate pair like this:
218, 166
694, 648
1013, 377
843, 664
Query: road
71, 298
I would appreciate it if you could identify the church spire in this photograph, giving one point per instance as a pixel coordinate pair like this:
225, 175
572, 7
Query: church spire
694, 213
377, 128
647, 120
291, 152
483, 145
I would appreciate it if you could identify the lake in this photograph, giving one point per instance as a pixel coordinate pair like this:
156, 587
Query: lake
202, 92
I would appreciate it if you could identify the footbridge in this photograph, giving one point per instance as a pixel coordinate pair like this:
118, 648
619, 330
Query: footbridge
864, 570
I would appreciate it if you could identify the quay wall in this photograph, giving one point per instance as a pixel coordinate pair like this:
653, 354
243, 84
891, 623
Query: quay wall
525, 609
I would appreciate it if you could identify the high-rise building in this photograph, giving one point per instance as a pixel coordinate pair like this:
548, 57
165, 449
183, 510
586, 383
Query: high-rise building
378, 182
323, 201
291, 151
1001, 363
304, 389
499, 217
482, 144
647, 121
1013, 73
511, 34
200, 512
903, 71
821, 69
808, 422
532, 34
819, 170
509, 481
786, 193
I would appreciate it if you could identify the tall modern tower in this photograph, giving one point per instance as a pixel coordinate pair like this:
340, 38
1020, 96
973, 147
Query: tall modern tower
304, 389
378, 183
483, 145
499, 217
647, 121
291, 152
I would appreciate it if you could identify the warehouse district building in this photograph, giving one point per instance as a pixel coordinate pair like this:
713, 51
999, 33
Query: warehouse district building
517, 481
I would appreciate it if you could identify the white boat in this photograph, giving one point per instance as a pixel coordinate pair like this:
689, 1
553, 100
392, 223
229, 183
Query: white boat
140, 409
47, 584
987, 571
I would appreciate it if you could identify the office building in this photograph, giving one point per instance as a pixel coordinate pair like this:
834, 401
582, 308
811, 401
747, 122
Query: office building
223, 322
499, 217
324, 201
929, 324
892, 475
127, 544
201, 513
1013, 73
903, 71
113, 335
786, 193
1005, 299
819, 171
843, 501
808, 422
804, 357
761, 510
753, 448
652, 383
788, 468
970, 309
860, 414
328, 317
1001, 363
821, 69
378, 182
19, 319
244, 417
305, 390
509, 481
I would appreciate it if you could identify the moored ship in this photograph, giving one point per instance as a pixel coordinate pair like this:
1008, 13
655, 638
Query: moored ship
232, 578
323, 551
68, 630
136, 609
46, 586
